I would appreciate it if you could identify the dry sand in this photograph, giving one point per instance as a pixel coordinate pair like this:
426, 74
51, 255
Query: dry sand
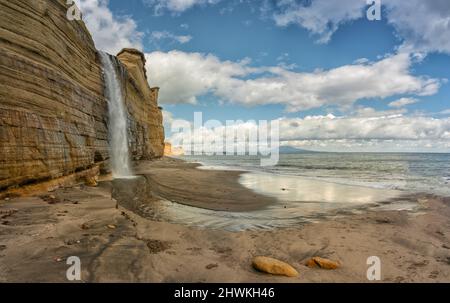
38, 233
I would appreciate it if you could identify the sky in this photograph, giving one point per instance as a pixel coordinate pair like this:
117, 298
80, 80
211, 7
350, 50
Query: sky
335, 80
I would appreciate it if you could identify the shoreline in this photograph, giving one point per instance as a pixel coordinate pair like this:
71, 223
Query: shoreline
116, 244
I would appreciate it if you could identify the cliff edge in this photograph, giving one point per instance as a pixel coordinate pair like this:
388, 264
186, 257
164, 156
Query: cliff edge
146, 125
53, 111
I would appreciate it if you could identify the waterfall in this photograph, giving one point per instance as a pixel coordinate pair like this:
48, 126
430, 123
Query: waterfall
117, 124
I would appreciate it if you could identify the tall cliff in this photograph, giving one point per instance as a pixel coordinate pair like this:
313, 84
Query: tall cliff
145, 117
53, 111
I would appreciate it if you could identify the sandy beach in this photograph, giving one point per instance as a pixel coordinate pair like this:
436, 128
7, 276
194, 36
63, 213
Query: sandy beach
115, 243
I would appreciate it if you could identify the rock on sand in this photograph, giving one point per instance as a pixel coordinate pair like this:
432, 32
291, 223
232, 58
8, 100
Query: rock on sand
91, 182
322, 263
274, 267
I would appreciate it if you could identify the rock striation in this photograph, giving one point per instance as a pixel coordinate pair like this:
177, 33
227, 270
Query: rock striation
53, 111
145, 117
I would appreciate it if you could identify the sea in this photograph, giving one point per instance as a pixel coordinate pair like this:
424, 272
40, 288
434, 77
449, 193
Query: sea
408, 172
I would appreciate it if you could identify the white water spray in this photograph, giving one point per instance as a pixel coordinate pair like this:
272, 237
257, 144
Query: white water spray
117, 125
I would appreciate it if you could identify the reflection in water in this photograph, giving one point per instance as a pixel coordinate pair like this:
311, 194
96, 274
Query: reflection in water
297, 189
299, 200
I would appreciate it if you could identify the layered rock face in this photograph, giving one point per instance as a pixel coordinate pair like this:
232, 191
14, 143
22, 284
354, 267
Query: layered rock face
53, 112
145, 117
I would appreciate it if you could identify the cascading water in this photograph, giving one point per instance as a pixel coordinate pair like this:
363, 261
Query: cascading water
117, 125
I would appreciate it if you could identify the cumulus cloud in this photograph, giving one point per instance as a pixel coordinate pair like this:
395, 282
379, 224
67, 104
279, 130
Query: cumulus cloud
391, 127
167, 118
321, 17
175, 6
367, 133
378, 132
166, 35
183, 77
111, 33
402, 102
422, 25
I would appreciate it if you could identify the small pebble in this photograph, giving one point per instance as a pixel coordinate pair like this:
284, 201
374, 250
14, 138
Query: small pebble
211, 266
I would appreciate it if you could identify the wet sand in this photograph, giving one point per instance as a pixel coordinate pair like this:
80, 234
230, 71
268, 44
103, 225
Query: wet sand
115, 244
183, 183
